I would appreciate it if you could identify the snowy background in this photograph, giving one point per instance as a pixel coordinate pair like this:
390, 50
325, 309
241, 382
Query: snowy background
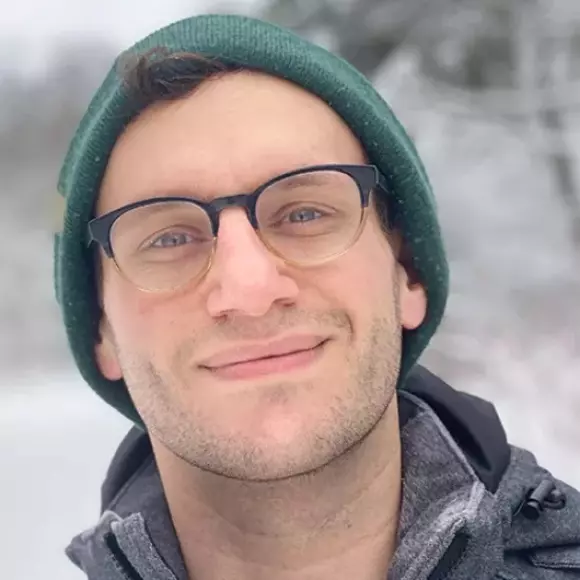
512, 330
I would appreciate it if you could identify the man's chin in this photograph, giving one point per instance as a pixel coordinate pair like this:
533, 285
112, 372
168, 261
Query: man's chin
279, 458
269, 471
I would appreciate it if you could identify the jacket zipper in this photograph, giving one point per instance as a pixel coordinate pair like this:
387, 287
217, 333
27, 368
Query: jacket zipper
450, 559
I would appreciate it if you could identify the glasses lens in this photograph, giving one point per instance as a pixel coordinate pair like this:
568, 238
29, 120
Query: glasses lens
310, 217
162, 245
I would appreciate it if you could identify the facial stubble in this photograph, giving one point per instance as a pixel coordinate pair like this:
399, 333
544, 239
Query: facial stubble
351, 415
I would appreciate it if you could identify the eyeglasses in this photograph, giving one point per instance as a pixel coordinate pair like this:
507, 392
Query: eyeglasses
305, 217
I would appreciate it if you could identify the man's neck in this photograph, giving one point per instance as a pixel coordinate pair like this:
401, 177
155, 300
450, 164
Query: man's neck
340, 522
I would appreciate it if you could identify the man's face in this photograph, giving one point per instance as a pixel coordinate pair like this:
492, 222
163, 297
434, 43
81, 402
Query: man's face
270, 418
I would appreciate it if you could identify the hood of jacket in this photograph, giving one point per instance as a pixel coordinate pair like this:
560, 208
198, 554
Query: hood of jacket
472, 507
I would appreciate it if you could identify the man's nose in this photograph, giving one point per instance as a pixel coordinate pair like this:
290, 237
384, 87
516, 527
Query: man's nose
245, 277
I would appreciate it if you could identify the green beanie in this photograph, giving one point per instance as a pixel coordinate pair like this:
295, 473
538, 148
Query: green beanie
263, 46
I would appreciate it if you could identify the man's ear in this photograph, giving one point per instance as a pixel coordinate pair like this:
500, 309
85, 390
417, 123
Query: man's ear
106, 352
412, 298
412, 293
413, 305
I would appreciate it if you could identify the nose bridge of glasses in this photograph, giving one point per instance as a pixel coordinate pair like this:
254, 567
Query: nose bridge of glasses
244, 201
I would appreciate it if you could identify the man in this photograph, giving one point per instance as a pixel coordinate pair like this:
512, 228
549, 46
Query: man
249, 267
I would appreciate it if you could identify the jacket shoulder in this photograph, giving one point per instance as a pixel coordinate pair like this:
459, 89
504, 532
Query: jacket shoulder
540, 542
547, 546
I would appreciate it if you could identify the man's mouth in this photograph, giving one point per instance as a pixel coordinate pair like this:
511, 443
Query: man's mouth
253, 360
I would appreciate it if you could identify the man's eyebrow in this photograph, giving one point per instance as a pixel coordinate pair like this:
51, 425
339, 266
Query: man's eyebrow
301, 179
165, 193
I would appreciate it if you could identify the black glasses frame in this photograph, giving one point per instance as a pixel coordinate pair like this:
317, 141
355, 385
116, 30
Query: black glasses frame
367, 178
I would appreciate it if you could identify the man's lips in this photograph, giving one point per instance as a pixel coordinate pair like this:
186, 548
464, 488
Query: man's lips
258, 352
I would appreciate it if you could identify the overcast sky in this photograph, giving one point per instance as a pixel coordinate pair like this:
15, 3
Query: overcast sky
29, 27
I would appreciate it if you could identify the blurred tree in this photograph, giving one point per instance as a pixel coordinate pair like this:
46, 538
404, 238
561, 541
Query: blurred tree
364, 32
543, 45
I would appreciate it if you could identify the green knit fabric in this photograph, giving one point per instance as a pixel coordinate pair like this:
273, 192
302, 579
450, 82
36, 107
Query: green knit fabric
260, 45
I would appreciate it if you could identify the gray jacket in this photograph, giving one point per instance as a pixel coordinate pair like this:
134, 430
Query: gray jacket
473, 507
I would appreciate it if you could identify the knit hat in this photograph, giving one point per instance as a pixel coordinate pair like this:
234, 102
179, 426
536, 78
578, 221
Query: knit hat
252, 43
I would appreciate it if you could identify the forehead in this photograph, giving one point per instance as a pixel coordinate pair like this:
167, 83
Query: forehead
233, 133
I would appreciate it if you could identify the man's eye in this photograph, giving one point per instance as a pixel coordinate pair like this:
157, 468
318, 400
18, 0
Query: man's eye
303, 215
171, 240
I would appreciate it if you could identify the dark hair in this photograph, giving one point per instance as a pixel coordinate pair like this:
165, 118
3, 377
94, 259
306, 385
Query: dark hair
159, 75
